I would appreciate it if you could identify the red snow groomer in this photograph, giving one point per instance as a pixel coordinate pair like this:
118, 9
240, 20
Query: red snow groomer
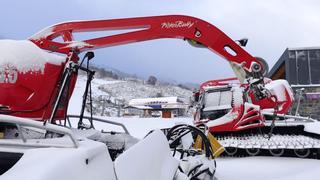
241, 102
250, 118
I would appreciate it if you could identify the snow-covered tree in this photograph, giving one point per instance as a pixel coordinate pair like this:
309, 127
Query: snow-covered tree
152, 80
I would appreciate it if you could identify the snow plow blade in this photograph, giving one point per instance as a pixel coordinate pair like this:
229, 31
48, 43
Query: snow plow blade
217, 148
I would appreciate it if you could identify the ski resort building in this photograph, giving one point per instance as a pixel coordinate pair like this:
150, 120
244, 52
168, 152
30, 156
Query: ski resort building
301, 68
166, 107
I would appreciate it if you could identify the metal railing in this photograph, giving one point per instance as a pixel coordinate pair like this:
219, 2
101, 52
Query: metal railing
19, 122
286, 116
99, 120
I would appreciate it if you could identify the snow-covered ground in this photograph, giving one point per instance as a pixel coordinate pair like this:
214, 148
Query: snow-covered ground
267, 168
248, 168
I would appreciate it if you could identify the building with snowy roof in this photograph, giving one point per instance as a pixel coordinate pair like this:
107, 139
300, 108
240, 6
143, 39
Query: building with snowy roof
165, 107
301, 68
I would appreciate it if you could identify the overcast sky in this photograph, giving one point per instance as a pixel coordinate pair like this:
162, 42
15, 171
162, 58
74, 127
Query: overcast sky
270, 25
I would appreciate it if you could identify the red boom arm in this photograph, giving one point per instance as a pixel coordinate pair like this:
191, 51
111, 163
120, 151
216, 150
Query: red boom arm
146, 28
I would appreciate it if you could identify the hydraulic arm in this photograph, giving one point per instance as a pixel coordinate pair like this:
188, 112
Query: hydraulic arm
143, 29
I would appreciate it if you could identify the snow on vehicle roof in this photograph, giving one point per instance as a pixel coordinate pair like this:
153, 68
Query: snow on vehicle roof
158, 103
25, 56
159, 100
208, 88
312, 127
78, 44
279, 88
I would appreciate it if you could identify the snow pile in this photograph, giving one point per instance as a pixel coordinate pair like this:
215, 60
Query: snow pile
78, 44
26, 56
151, 158
279, 88
266, 168
42, 34
313, 127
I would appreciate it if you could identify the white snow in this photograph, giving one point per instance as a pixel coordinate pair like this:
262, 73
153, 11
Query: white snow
42, 34
267, 168
159, 100
78, 44
278, 88
163, 102
140, 163
237, 96
63, 163
313, 127
76, 98
25, 56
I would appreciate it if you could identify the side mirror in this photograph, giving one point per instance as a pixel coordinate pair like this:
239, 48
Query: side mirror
89, 55
243, 42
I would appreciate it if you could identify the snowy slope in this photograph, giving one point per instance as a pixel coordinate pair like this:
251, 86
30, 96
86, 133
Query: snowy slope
129, 90
123, 90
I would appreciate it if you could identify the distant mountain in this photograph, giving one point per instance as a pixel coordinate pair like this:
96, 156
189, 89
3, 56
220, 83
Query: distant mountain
190, 86
120, 74
109, 72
